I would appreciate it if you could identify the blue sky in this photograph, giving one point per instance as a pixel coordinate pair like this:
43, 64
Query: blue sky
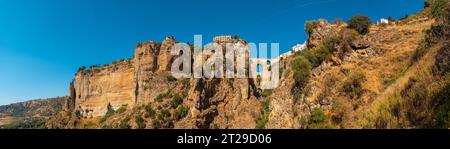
42, 43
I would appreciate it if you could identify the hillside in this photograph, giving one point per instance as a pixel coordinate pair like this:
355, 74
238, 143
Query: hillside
30, 114
352, 74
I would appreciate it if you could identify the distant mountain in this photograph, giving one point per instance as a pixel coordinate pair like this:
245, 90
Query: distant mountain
28, 114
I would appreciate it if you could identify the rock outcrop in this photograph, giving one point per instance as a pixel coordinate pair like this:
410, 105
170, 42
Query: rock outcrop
165, 59
321, 30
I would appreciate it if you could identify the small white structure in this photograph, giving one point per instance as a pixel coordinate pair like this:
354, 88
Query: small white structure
295, 48
383, 21
299, 47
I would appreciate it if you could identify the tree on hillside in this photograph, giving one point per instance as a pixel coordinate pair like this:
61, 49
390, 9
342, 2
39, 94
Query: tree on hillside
360, 23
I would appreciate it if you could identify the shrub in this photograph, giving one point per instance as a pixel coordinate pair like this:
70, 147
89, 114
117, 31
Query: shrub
89, 125
441, 116
347, 37
317, 119
261, 122
140, 122
180, 112
149, 110
170, 78
317, 116
265, 106
230, 83
301, 68
438, 8
322, 53
176, 100
360, 23
82, 68
433, 34
353, 85
159, 97
309, 26
267, 92
163, 95
124, 123
264, 118
122, 109
110, 111
310, 57
139, 44
165, 113
156, 124
342, 109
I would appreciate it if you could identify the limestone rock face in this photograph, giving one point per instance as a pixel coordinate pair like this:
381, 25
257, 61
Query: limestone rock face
322, 30
282, 105
126, 82
165, 58
70, 102
145, 63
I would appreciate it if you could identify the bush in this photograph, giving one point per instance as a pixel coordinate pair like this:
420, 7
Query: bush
265, 106
317, 116
163, 95
156, 124
318, 54
140, 122
342, 109
301, 68
322, 53
317, 119
122, 109
441, 116
230, 83
139, 44
309, 26
352, 85
110, 111
267, 92
176, 100
124, 123
165, 113
170, 78
438, 8
347, 37
82, 68
261, 122
264, 118
149, 110
180, 112
360, 23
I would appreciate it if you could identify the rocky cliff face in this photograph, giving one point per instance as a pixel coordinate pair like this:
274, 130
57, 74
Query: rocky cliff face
321, 30
96, 88
344, 91
145, 79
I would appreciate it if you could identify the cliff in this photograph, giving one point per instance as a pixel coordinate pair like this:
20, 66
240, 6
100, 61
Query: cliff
354, 81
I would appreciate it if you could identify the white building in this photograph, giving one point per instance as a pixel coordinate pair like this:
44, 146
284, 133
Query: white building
296, 48
299, 47
383, 21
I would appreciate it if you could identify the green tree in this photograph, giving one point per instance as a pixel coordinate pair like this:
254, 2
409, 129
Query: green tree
360, 23
110, 111
309, 26
301, 68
